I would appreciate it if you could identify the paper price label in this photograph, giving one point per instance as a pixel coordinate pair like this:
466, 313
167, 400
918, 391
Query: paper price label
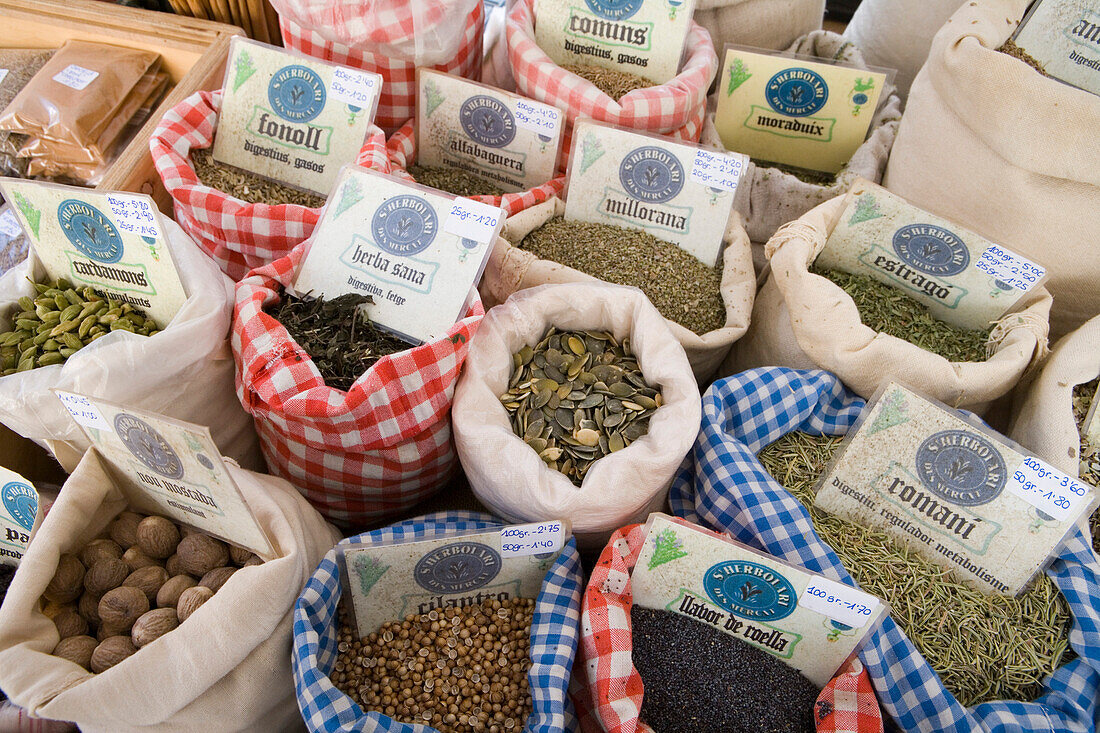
134, 215
540, 118
474, 220
843, 603
9, 225
1010, 268
532, 539
83, 411
357, 88
76, 77
717, 170
3, 74
1048, 489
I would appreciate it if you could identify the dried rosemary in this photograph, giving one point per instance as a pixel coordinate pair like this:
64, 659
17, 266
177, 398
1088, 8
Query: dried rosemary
615, 84
453, 180
1083, 395
1011, 49
888, 310
246, 186
681, 287
984, 647
337, 335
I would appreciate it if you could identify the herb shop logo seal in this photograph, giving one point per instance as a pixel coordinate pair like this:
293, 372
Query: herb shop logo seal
20, 502
404, 225
487, 121
961, 467
458, 567
614, 9
90, 231
750, 590
651, 174
797, 92
296, 93
148, 446
931, 249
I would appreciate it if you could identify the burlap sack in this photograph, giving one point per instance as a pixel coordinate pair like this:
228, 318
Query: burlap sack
768, 197
225, 668
760, 23
1044, 421
185, 371
511, 269
805, 321
990, 143
509, 478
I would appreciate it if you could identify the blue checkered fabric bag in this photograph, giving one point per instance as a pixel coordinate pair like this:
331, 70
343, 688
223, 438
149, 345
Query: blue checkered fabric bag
722, 485
554, 634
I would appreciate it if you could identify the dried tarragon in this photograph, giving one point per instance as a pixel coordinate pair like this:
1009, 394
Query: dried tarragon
578, 396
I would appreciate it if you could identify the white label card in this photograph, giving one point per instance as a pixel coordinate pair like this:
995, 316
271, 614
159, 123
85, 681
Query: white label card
717, 170
843, 603
18, 507
3, 74
537, 117
474, 220
533, 539
1010, 268
169, 467
1048, 489
358, 88
75, 77
134, 214
9, 225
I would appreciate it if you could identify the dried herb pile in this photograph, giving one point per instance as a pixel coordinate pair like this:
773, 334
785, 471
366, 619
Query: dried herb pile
983, 647
681, 287
806, 175
1011, 49
248, 187
698, 679
337, 335
615, 84
1083, 395
888, 310
454, 180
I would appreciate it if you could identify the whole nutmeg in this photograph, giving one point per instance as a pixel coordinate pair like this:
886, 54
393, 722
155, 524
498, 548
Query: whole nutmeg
124, 529
110, 652
169, 594
216, 578
191, 599
254, 560
88, 608
172, 565
148, 580
123, 606
153, 625
97, 550
106, 631
239, 555
68, 580
77, 649
105, 575
70, 623
157, 537
200, 553
135, 559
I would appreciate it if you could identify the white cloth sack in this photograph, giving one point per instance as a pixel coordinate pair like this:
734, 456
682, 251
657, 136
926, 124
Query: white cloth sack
804, 321
226, 668
990, 143
762, 23
185, 371
511, 269
898, 33
509, 478
769, 198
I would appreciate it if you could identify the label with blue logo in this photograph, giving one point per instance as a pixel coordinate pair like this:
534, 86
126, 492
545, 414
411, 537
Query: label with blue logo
952, 490
113, 242
640, 37
416, 252
1063, 36
811, 622
292, 119
799, 112
962, 278
508, 141
168, 467
677, 192
386, 581
18, 507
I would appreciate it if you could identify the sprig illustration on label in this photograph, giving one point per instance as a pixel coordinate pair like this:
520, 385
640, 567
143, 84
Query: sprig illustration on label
867, 208
591, 151
30, 211
666, 548
739, 74
369, 570
894, 411
858, 94
243, 69
434, 97
350, 195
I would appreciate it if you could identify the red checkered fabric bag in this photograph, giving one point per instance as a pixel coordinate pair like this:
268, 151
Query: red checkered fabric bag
239, 236
607, 690
391, 40
359, 455
401, 148
675, 108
